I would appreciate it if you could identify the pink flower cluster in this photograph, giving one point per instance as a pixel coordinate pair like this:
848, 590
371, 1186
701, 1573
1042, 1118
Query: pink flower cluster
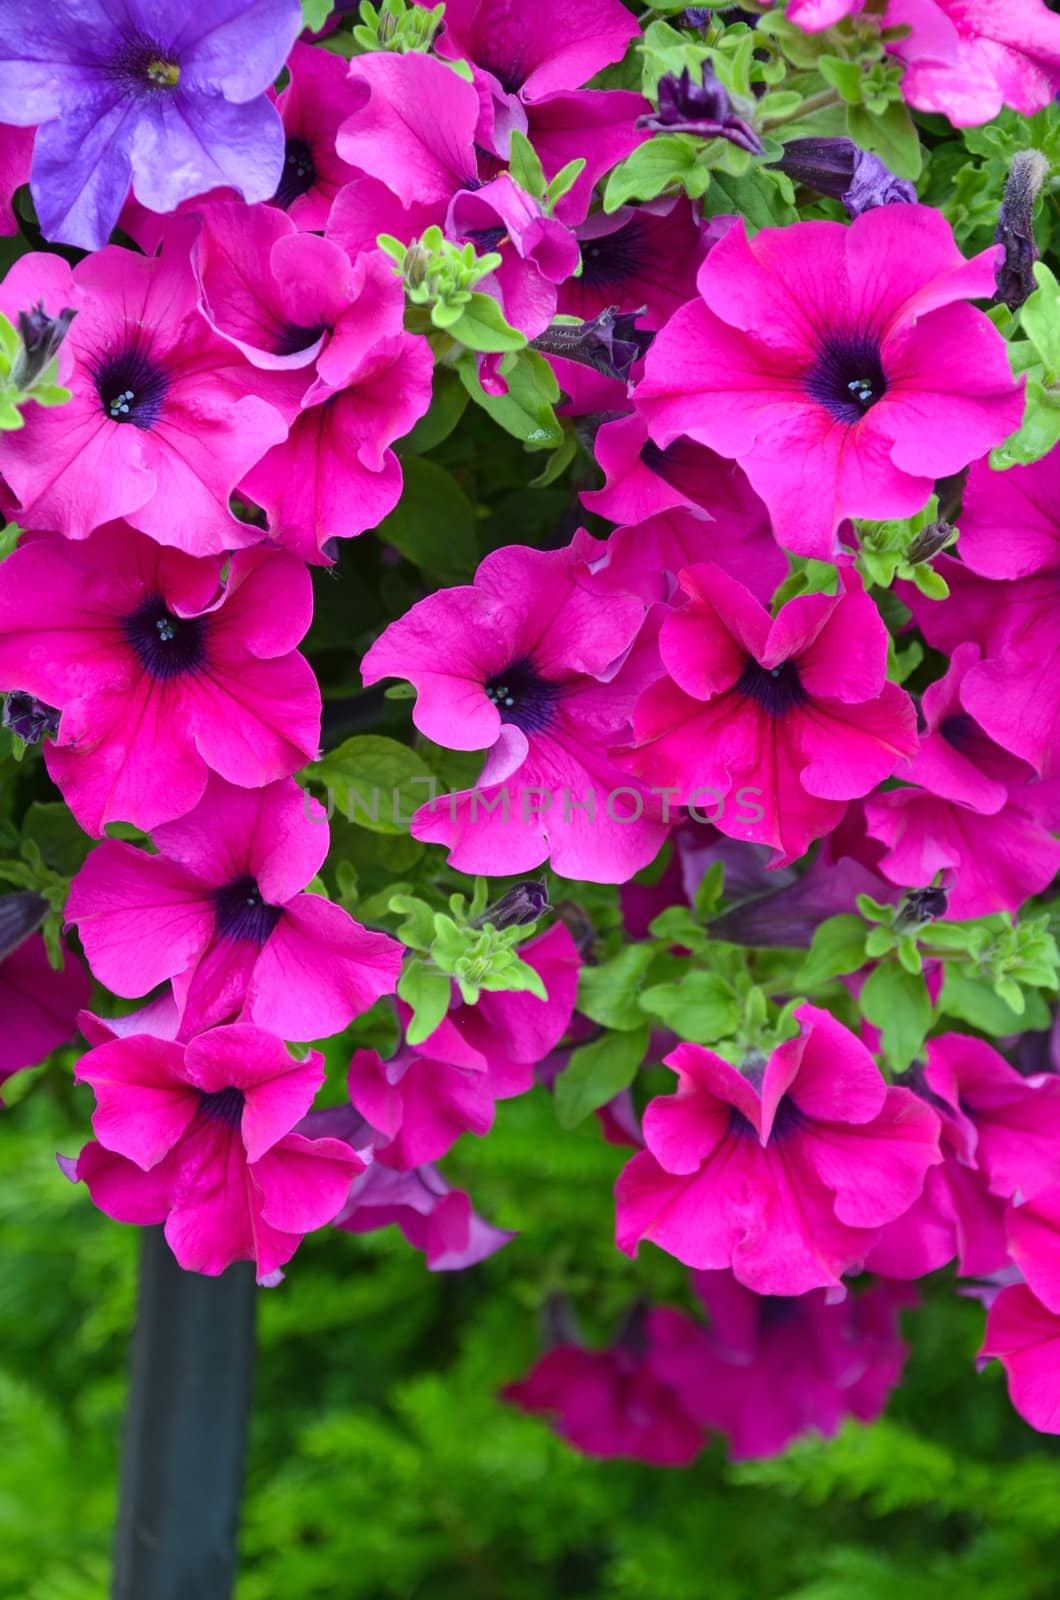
238, 383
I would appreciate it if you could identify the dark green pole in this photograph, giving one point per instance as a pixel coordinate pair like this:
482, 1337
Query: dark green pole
186, 1428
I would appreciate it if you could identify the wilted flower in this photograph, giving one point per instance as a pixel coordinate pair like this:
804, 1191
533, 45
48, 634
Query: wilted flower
700, 108
610, 343
1015, 228
841, 169
40, 336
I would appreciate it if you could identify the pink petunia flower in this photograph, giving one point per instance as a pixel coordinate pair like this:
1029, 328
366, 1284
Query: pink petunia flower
219, 911
644, 558
16, 149
971, 811
162, 673
616, 1402
967, 58
317, 99
199, 1136
532, 663
776, 722
1016, 623
638, 256
160, 426
838, 366
770, 1368
528, 69
432, 1215
425, 1096
1023, 1333
784, 1172
1000, 1135
39, 1006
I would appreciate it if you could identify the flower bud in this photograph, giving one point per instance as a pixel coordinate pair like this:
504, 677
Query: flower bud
841, 169
918, 907
1015, 230
41, 336
701, 108
522, 904
930, 542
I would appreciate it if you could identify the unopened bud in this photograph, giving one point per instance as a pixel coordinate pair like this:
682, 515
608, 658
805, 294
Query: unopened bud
417, 264
1015, 229
522, 904
41, 336
28, 718
930, 542
919, 907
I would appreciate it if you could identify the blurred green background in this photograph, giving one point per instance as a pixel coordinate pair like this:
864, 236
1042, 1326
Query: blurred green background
382, 1465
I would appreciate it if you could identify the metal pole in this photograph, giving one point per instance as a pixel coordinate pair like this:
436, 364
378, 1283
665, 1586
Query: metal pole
185, 1431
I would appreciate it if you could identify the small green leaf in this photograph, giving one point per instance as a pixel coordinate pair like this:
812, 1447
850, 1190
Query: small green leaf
315, 13
525, 167
427, 992
597, 1072
376, 783
838, 947
608, 993
897, 1002
481, 326
700, 1007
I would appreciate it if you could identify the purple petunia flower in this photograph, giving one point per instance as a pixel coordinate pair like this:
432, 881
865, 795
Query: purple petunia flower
168, 97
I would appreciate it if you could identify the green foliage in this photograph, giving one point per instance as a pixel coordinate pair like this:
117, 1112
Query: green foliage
1037, 357
394, 25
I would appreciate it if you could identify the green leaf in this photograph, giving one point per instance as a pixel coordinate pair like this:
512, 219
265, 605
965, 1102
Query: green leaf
763, 198
891, 134
1040, 320
564, 180
448, 403
427, 992
838, 947
700, 1007
525, 167
434, 523
1037, 434
665, 162
526, 410
608, 993
481, 326
315, 13
897, 1002
376, 783
597, 1072
842, 75
62, 845
972, 1000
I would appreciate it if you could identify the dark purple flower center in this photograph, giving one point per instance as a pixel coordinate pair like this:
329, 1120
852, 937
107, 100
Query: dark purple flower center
293, 337
959, 730
485, 239
223, 1105
777, 1310
168, 646
776, 689
510, 71
614, 258
522, 696
243, 914
131, 388
848, 378
299, 172
788, 1120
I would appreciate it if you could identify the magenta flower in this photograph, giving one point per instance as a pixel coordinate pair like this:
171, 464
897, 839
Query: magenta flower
814, 15
318, 98
219, 910
770, 1368
616, 1402
974, 813
1023, 1333
528, 69
425, 1096
39, 1005
790, 717
871, 381
1000, 1137
644, 558
786, 1172
16, 148
642, 481
160, 426
638, 256
199, 1136
968, 58
171, 98
529, 663
432, 1215
163, 675
1011, 692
